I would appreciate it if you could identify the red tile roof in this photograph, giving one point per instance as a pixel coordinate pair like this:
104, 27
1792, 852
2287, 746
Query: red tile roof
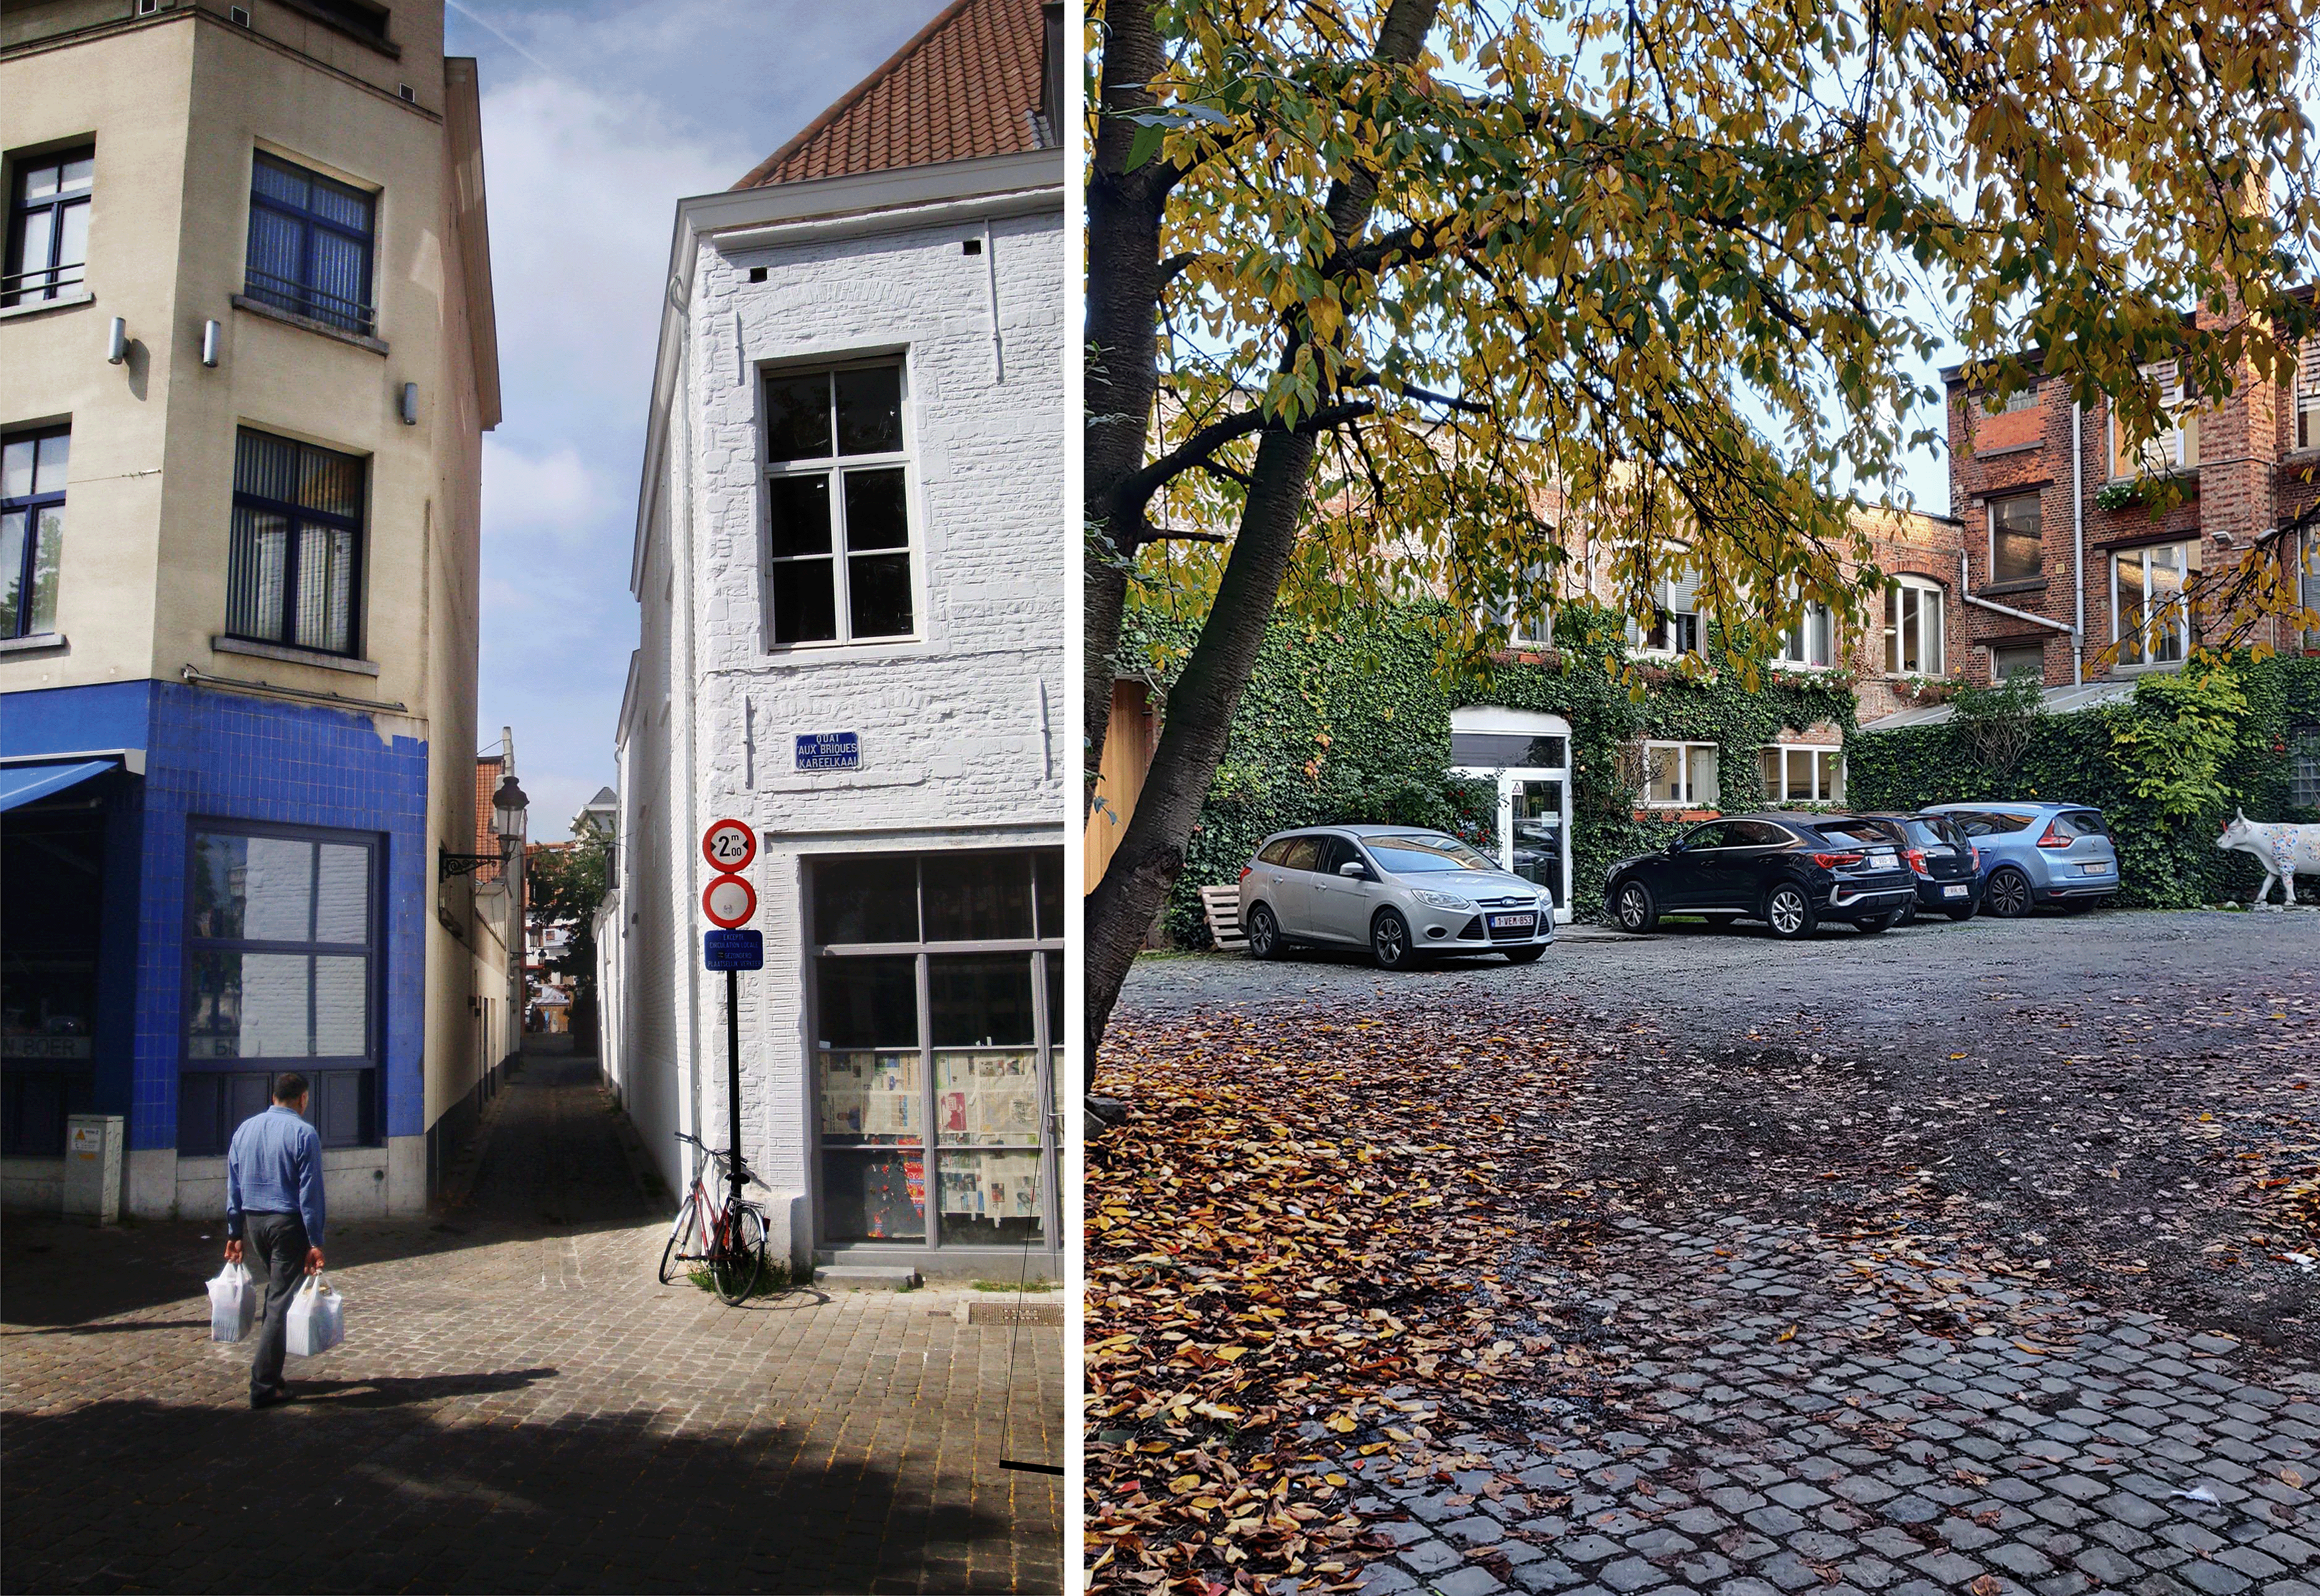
968, 83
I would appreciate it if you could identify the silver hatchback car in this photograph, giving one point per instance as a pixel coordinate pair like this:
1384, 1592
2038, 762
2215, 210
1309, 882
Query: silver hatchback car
1403, 891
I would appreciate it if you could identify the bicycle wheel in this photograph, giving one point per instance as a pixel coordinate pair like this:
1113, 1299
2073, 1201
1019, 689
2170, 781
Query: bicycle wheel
688, 1223
739, 1260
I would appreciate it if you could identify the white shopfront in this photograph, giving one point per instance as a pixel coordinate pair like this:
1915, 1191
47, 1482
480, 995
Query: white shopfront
1527, 754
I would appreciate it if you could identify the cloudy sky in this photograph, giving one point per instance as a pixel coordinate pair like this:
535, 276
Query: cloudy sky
599, 115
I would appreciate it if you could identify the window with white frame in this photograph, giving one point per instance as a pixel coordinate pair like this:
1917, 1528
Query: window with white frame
1675, 775
1674, 627
1803, 773
2151, 615
2308, 584
838, 543
2022, 398
2175, 449
2307, 394
1532, 623
2303, 769
1810, 640
1913, 628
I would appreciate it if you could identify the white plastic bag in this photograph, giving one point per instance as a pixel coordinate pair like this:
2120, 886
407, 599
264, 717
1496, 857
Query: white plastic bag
234, 1303
317, 1320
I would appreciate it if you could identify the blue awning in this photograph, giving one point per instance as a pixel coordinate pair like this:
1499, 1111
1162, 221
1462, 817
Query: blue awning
21, 783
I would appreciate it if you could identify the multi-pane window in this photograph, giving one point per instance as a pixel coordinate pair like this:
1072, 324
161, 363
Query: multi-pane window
838, 507
2308, 393
937, 1009
2308, 584
1797, 773
293, 573
1913, 627
1676, 775
2303, 769
2151, 613
281, 969
48, 227
1674, 625
31, 529
311, 238
2177, 445
2015, 539
1810, 638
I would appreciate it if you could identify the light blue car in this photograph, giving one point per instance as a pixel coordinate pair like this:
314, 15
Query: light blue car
2038, 853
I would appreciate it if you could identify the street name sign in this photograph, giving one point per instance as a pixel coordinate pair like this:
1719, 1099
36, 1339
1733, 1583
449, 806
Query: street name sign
733, 950
829, 750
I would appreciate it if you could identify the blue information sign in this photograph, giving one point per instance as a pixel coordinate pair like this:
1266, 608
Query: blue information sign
733, 950
829, 751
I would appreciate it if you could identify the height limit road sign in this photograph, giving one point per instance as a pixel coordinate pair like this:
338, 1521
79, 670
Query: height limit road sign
729, 846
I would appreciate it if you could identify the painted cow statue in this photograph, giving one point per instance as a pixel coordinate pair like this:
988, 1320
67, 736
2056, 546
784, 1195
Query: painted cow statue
2282, 849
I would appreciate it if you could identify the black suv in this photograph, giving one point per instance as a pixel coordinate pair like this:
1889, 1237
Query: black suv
1789, 871
1947, 864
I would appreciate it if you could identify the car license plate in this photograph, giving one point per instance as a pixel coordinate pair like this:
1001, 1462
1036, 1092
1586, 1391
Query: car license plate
1953, 891
2094, 869
1881, 860
1513, 922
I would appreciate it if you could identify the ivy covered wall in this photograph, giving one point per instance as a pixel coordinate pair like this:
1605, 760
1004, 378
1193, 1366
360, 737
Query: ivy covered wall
1352, 723
2166, 767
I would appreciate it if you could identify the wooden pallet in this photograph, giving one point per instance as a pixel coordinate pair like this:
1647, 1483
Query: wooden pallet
1221, 904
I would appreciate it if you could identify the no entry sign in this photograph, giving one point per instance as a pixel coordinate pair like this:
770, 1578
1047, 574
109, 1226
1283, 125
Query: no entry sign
730, 902
729, 846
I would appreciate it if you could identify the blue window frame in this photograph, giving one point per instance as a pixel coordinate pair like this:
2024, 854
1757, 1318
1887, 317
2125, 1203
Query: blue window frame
47, 225
31, 529
293, 573
310, 244
282, 973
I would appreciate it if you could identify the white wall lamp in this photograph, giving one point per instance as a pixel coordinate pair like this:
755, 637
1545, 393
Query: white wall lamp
116, 341
212, 335
410, 409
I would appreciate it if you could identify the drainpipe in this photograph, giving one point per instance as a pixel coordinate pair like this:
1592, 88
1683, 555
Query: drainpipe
1965, 577
2078, 548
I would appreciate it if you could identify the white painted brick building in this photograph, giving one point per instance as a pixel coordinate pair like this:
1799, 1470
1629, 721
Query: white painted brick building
851, 522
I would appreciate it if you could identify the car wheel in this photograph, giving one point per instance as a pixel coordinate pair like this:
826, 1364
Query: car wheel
1264, 933
1633, 907
1525, 956
1877, 922
1907, 914
1389, 941
1964, 912
2007, 896
1790, 913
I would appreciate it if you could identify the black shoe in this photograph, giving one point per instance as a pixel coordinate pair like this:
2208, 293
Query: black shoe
269, 1398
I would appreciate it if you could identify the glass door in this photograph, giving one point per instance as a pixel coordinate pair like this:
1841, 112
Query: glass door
1537, 818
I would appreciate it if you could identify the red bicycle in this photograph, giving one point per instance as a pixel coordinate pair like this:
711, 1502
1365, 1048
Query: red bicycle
728, 1241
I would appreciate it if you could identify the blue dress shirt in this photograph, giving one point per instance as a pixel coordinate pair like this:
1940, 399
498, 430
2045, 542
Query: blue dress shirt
274, 1165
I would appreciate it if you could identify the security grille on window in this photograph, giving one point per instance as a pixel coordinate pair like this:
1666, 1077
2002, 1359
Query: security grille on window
2151, 614
1797, 773
937, 1012
1678, 775
310, 244
48, 226
1810, 640
2015, 539
31, 529
281, 973
838, 507
1913, 628
293, 573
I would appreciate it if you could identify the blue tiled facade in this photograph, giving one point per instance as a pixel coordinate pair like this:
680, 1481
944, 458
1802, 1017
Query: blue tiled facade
212, 755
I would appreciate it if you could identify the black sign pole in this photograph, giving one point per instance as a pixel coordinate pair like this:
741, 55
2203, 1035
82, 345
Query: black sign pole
733, 1085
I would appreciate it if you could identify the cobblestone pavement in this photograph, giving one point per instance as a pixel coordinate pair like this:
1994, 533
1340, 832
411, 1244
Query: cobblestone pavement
518, 1406
1958, 1259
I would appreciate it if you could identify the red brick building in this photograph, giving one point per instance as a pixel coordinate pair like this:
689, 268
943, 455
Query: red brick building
2055, 583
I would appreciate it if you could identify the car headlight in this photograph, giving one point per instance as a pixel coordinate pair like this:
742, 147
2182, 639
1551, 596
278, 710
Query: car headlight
1545, 904
1441, 900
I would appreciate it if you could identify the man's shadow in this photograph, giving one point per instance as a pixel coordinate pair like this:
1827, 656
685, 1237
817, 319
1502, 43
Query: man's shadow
397, 1391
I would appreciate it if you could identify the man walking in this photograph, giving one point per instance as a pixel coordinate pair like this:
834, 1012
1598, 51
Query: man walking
273, 1195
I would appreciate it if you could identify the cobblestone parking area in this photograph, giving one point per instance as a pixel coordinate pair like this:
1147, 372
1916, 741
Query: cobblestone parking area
1978, 1258
518, 1406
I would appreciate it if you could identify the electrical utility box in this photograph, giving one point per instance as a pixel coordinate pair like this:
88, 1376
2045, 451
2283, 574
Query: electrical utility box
92, 1167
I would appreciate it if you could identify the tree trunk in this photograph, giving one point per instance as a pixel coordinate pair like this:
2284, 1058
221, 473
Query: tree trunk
1200, 716
1123, 348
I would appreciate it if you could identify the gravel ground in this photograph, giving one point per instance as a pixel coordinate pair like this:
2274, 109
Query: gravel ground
2129, 1096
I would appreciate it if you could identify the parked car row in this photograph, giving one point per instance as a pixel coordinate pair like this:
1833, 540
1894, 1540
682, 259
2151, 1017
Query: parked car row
1873, 871
1406, 893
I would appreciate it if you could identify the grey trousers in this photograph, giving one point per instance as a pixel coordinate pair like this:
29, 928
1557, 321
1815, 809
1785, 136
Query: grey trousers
276, 1244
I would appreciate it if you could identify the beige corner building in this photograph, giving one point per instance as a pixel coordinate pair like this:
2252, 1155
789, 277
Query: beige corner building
247, 357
